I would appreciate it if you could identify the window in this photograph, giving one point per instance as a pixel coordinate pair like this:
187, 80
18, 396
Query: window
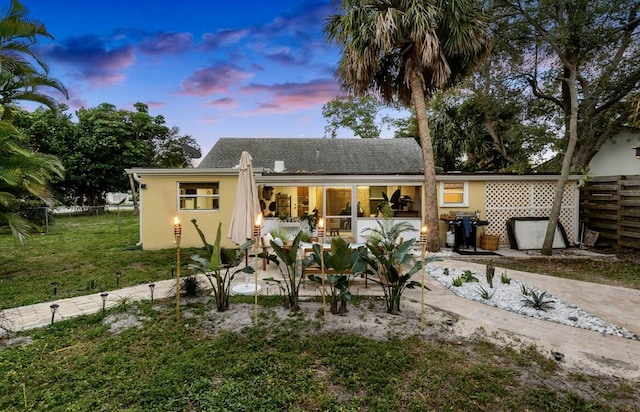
454, 194
199, 196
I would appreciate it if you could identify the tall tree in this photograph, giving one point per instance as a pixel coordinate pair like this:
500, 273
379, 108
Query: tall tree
405, 50
105, 140
355, 113
582, 56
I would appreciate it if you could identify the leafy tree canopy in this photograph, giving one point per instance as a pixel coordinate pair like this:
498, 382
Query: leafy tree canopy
103, 142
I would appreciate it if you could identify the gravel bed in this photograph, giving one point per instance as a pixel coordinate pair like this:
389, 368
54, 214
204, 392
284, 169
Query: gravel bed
508, 296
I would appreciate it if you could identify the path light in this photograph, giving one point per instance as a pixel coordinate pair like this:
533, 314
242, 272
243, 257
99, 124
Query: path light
104, 295
55, 288
118, 273
151, 286
177, 233
54, 309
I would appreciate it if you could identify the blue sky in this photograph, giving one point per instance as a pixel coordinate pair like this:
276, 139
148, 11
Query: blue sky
212, 68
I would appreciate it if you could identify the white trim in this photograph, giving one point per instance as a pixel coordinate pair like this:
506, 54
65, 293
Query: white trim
465, 194
187, 198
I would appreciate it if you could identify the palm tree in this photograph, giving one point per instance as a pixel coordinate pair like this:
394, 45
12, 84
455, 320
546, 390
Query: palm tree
405, 50
22, 72
22, 173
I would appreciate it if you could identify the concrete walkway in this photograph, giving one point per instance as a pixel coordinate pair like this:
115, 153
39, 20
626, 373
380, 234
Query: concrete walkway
584, 350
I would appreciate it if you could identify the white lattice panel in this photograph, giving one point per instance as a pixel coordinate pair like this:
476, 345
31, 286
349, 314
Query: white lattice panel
504, 200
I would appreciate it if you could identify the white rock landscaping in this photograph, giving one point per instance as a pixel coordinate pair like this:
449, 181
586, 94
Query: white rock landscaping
508, 296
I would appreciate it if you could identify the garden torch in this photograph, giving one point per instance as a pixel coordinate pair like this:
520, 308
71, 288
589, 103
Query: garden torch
177, 233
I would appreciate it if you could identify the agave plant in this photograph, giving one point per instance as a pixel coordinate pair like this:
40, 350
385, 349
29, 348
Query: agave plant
218, 265
343, 264
484, 294
537, 301
469, 277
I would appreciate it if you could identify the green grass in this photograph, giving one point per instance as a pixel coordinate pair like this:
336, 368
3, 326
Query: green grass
82, 254
622, 272
281, 366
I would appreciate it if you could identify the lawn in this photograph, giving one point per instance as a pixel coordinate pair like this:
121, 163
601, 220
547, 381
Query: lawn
82, 254
290, 364
281, 365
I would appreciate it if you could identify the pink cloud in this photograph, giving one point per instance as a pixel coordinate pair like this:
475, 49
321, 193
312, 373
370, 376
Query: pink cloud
223, 103
155, 105
213, 79
289, 97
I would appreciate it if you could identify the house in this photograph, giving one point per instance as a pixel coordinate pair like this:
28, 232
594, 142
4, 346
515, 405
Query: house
617, 156
345, 180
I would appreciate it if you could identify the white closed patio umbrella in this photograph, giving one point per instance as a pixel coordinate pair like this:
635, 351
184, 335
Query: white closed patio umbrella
245, 210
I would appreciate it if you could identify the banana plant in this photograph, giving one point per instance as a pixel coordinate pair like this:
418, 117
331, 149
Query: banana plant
219, 264
291, 271
389, 261
343, 264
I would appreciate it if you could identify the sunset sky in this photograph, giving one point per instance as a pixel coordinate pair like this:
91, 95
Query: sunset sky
214, 69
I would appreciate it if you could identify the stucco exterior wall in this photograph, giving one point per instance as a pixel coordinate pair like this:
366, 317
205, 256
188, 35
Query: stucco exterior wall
159, 204
616, 157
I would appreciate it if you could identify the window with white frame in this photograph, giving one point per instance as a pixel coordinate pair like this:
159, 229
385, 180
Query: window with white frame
199, 196
454, 194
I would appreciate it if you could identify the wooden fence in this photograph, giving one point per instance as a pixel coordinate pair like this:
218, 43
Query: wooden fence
611, 206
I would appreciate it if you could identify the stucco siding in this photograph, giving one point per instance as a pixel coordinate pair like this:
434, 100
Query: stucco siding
159, 204
617, 157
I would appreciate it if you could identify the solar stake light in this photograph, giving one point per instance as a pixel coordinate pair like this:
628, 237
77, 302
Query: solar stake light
54, 309
118, 273
104, 295
151, 287
55, 288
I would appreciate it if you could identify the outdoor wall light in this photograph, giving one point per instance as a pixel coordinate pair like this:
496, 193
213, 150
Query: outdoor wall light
54, 309
55, 288
118, 273
143, 186
151, 287
104, 295
637, 149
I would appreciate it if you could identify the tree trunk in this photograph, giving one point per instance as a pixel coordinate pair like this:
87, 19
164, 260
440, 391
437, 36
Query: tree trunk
133, 195
430, 207
554, 216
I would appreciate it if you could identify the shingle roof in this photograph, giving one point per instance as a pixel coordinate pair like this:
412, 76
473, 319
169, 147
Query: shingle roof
321, 156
